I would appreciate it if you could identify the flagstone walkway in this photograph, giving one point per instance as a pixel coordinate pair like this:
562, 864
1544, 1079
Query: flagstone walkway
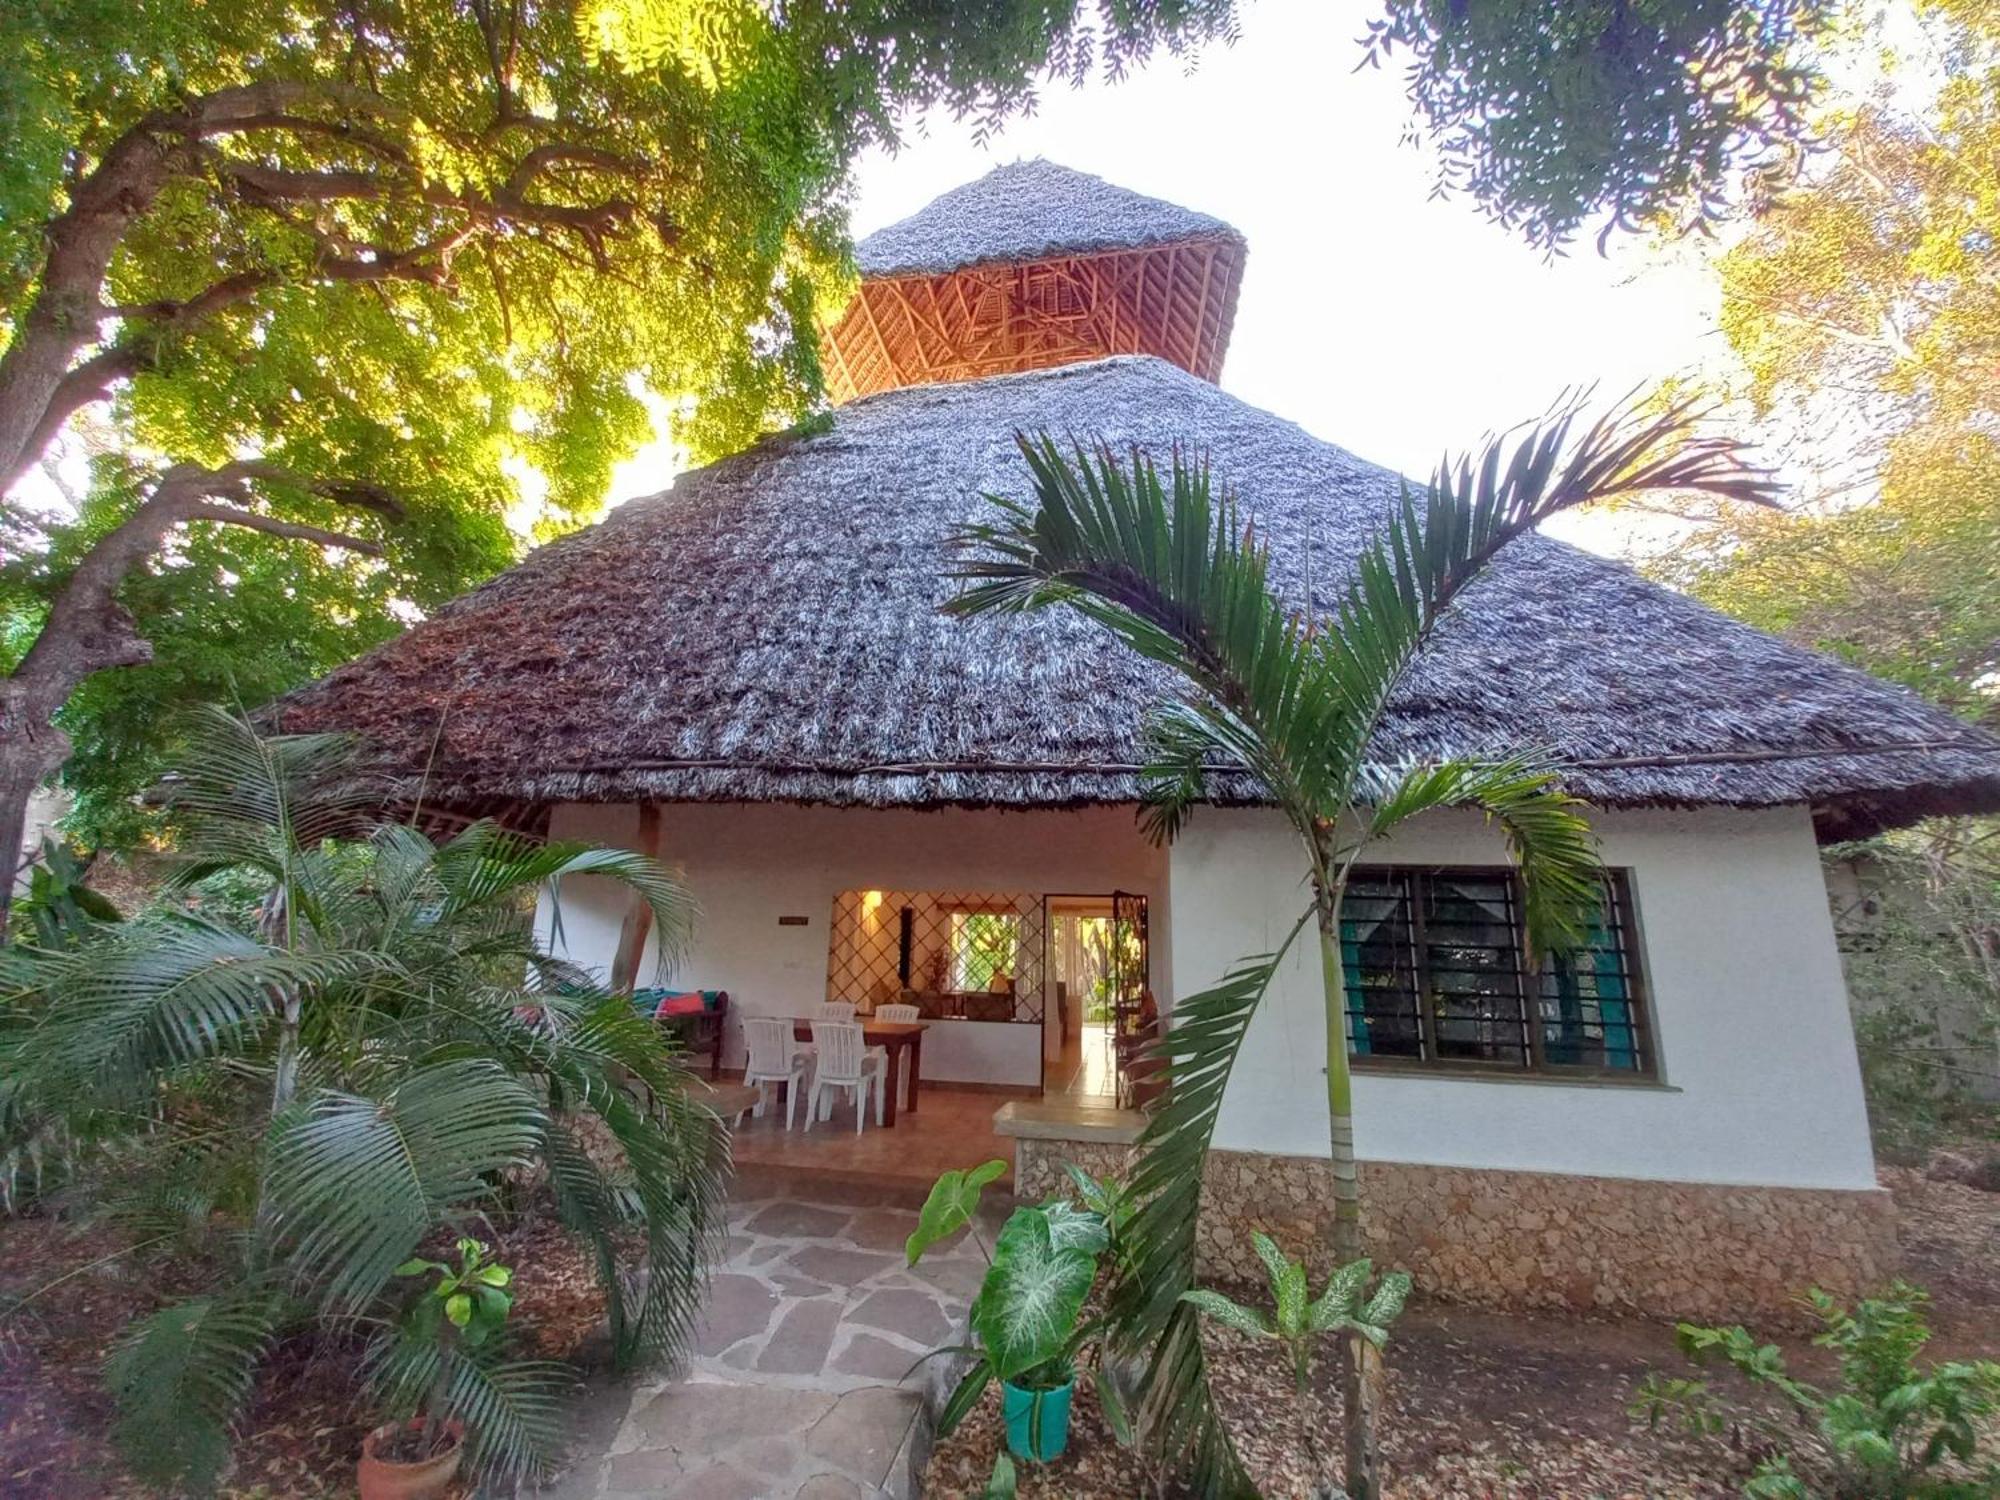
800, 1384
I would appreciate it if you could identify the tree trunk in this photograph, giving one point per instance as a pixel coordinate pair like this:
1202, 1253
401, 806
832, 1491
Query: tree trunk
1357, 1395
29, 755
88, 630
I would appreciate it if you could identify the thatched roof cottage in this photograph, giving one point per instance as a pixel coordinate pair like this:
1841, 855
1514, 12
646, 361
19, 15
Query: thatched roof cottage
749, 673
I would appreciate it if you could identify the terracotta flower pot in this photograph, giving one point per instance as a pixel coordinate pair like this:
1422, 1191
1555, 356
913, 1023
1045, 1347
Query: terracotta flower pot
385, 1479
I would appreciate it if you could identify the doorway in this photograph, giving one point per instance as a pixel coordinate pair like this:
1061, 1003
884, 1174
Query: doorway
1096, 958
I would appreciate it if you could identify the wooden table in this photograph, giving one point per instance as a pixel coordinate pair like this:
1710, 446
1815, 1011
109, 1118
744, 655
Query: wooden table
897, 1037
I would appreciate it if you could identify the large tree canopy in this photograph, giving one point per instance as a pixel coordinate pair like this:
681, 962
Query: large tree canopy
350, 271
1626, 111
429, 245
1867, 303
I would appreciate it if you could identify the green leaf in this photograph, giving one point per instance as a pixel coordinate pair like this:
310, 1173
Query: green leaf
965, 1395
1292, 1298
1275, 1260
1231, 1314
1072, 1228
180, 1377
495, 1275
1002, 1485
1032, 1295
1387, 1304
458, 1308
952, 1201
1336, 1303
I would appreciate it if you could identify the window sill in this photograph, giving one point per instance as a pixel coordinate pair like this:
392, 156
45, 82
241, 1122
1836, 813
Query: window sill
1435, 1073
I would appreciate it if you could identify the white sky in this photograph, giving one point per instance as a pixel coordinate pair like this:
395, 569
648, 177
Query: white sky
1378, 319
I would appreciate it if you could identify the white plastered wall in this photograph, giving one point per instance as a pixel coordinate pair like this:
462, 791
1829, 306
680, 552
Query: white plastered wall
750, 864
1759, 1082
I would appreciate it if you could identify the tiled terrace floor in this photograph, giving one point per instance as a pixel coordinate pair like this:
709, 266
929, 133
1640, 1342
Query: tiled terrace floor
800, 1383
951, 1128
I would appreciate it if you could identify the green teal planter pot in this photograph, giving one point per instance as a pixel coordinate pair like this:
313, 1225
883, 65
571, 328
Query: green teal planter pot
1037, 1421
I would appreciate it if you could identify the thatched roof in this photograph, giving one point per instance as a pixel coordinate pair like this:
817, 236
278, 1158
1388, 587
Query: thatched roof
1033, 266
768, 630
1028, 210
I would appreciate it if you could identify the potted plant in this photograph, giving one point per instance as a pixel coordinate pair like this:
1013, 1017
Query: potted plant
464, 1307
1027, 1318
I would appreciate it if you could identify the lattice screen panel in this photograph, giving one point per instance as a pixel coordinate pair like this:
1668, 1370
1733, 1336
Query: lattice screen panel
977, 955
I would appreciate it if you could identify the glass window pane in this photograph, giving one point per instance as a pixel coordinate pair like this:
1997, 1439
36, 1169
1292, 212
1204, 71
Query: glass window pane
1472, 967
1588, 1000
1376, 960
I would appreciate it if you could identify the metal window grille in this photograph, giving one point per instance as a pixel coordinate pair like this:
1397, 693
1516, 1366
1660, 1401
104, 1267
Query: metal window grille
1435, 963
975, 955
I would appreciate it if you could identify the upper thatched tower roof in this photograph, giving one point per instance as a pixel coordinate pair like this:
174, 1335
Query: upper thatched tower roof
1035, 265
768, 630
1028, 210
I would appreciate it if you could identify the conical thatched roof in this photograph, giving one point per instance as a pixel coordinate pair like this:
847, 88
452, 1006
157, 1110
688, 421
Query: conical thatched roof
1030, 267
1025, 211
768, 630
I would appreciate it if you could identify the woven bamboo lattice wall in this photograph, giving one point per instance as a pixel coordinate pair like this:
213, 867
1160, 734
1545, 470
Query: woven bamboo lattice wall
972, 955
1176, 301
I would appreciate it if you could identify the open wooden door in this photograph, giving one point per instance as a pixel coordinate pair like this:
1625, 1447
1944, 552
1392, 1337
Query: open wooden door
1134, 1017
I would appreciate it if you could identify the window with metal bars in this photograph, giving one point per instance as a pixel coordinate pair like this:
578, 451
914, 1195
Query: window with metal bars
1436, 970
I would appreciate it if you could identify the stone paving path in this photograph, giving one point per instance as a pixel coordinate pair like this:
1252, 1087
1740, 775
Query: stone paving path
800, 1382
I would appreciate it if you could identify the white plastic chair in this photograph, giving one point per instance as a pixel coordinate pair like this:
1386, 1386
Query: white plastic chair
844, 1063
843, 1010
899, 1013
774, 1058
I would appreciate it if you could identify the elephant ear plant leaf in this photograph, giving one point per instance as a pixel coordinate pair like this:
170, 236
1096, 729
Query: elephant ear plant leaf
953, 1200
1292, 695
1032, 1296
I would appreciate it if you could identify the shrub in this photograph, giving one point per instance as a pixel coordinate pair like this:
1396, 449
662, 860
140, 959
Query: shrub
305, 1092
1890, 1431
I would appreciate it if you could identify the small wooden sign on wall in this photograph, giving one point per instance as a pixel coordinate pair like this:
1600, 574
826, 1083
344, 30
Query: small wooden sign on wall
791, 921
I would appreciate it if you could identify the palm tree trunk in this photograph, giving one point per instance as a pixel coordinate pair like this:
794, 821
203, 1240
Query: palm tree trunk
1357, 1398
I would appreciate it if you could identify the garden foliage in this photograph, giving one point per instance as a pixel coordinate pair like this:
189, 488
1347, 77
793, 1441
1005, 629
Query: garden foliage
1891, 1429
297, 1106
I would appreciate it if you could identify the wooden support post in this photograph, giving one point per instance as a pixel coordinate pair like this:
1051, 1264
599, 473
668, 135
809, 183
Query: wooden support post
639, 916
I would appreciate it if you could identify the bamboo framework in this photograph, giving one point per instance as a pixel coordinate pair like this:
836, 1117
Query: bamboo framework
1175, 300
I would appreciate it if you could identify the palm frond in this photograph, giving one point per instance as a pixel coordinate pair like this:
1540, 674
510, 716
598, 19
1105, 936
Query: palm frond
1435, 544
355, 1181
1165, 1180
1177, 578
672, 1178
676, 1156
243, 799
1545, 828
180, 1377
514, 1410
486, 862
164, 992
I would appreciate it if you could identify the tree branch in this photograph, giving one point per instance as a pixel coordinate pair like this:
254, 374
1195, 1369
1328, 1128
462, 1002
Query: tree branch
229, 515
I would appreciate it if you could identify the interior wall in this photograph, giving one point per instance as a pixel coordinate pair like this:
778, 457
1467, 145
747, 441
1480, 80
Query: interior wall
1758, 1082
751, 864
